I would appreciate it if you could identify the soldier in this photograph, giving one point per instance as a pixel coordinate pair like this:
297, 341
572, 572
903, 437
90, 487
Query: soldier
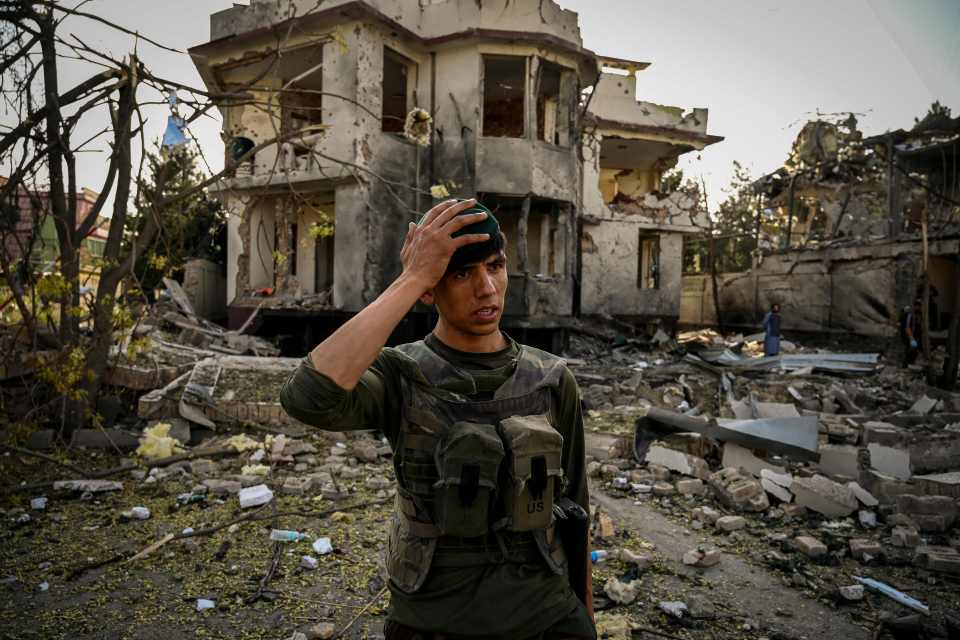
487, 436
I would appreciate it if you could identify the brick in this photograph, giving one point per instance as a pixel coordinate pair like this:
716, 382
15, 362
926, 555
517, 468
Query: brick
663, 489
939, 484
731, 523
824, 496
884, 433
222, 487
861, 547
810, 546
904, 537
678, 461
706, 514
938, 558
297, 486
931, 513
738, 490
691, 487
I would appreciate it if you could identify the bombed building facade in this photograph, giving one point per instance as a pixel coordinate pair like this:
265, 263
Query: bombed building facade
316, 99
860, 221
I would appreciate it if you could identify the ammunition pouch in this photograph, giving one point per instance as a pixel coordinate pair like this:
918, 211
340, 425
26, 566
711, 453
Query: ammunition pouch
533, 471
468, 459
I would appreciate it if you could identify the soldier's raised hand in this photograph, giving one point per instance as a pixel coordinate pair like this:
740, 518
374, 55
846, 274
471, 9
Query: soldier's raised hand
428, 247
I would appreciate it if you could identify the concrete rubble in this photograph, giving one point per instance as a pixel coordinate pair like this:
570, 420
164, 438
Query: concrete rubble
873, 490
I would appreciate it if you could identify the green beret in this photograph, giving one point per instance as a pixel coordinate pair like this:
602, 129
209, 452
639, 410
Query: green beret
488, 225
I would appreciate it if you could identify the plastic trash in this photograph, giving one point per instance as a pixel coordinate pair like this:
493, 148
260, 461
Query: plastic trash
140, 513
309, 562
190, 498
44, 586
283, 535
893, 594
323, 546
599, 556
203, 603
174, 136
620, 483
255, 496
137, 513
187, 530
39, 504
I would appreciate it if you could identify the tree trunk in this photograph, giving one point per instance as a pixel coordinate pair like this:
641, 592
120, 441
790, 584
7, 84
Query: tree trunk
117, 266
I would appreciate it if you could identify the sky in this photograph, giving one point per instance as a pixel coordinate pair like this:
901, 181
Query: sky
762, 68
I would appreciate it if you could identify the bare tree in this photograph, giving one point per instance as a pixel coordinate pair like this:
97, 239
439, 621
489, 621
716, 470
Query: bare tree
39, 152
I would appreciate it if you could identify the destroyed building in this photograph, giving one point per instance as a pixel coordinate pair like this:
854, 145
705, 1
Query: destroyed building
542, 130
856, 219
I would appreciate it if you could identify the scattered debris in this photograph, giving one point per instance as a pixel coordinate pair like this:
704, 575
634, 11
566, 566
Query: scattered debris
622, 592
893, 594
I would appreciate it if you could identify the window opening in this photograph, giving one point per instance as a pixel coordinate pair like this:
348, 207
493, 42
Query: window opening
398, 79
504, 93
323, 265
548, 103
648, 263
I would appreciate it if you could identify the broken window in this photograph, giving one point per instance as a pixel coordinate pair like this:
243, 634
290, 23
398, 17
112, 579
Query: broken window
301, 76
554, 102
544, 240
536, 243
648, 261
323, 265
399, 78
504, 93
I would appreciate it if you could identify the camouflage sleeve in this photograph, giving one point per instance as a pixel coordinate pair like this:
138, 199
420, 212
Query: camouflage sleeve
570, 421
314, 399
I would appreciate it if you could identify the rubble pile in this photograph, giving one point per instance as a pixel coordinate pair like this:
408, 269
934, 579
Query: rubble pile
815, 472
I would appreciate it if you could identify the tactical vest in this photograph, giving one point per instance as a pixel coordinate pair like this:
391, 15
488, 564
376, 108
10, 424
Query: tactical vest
476, 477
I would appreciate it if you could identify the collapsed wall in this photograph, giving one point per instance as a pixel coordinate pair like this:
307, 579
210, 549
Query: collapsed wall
857, 289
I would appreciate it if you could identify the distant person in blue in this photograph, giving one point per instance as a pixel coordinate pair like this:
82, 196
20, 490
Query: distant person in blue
910, 329
771, 327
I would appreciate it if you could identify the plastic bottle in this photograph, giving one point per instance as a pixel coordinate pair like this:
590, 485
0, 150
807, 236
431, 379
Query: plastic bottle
282, 535
598, 556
